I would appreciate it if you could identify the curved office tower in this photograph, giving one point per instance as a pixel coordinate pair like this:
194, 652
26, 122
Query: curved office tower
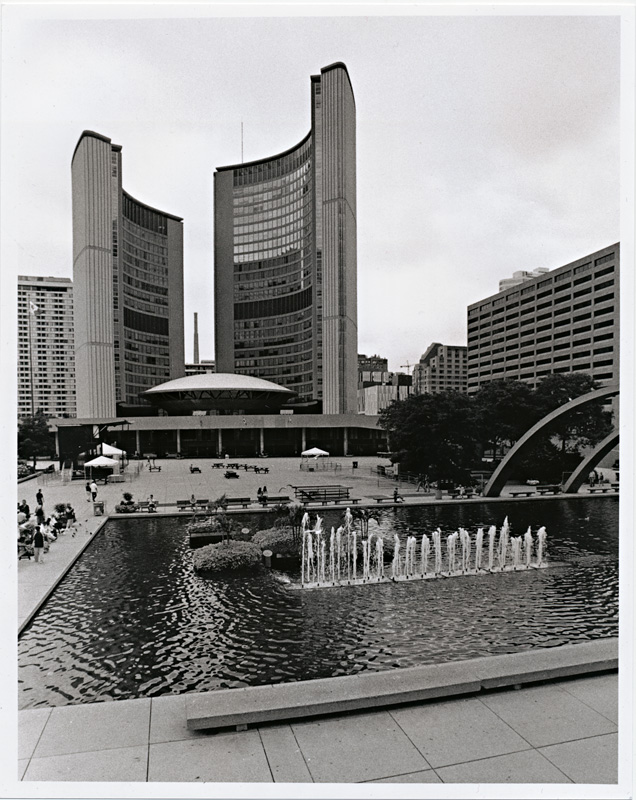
285, 257
128, 285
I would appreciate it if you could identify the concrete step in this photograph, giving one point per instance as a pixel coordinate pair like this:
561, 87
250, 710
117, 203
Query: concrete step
284, 701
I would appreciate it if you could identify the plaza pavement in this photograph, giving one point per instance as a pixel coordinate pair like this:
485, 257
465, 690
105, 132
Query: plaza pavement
560, 732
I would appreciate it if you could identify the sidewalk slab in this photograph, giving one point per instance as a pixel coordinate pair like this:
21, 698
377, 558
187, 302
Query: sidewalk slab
600, 694
225, 757
355, 748
546, 715
284, 756
428, 776
117, 764
592, 760
526, 767
31, 725
97, 726
457, 730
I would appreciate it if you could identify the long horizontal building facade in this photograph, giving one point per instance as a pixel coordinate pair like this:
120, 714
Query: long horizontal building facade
128, 285
565, 320
285, 258
215, 436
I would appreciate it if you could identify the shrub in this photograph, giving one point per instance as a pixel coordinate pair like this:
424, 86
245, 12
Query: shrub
23, 471
126, 508
229, 556
278, 540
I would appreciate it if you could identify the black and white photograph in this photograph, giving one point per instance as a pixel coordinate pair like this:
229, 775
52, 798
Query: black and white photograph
312, 341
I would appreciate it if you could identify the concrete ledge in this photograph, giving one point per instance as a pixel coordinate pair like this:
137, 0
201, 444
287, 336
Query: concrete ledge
277, 702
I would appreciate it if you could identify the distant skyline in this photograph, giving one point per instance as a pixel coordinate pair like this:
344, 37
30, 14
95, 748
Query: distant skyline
485, 144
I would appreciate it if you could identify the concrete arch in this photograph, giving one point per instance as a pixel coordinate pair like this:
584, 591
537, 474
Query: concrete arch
502, 473
577, 478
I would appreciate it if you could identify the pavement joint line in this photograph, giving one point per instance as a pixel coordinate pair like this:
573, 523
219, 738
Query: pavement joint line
585, 703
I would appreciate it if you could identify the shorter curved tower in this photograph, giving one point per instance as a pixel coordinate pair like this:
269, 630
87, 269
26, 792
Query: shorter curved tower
285, 271
128, 285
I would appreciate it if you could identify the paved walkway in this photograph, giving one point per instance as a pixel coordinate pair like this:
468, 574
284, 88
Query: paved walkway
563, 732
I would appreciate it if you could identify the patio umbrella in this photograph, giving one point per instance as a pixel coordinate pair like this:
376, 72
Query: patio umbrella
314, 451
102, 461
109, 450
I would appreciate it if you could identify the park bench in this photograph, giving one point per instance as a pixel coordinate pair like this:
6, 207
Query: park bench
194, 469
154, 468
218, 465
274, 498
603, 489
381, 498
522, 492
203, 503
184, 505
467, 493
324, 495
229, 473
549, 489
259, 470
236, 501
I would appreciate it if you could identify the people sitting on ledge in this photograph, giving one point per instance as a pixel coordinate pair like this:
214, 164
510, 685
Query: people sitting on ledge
152, 505
397, 497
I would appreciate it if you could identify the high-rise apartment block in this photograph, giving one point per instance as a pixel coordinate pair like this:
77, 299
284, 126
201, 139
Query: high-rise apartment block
285, 257
442, 368
46, 348
565, 320
128, 285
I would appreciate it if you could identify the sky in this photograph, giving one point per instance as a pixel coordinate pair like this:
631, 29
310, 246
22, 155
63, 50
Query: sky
486, 143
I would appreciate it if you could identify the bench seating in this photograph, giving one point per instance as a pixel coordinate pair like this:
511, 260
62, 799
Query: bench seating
549, 489
235, 501
184, 505
324, 496
195, 469
152, 468
380, 498
274, 498
603, 489
522, 492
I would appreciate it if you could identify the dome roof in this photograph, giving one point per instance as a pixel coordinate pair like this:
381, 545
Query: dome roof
219, 392
217, 382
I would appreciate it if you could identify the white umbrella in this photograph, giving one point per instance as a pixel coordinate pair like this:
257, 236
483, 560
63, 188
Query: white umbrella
314, 451
102, 461
109, 450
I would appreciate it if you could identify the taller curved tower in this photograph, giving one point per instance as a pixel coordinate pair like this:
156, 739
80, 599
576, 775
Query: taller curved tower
128, 285
285, 269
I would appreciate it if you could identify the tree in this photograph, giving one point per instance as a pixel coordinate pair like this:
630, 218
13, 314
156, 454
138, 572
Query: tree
433, 434
582, 427
34, 438
504, 410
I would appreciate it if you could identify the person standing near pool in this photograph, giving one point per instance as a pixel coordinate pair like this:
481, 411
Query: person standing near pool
39, 497
93, 488
38, 546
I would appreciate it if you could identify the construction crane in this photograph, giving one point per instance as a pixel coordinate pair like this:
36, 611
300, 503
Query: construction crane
407, 366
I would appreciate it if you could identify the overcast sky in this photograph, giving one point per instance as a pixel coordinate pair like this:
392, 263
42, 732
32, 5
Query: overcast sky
485, 144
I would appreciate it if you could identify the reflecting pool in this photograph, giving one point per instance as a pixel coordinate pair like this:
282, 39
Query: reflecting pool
132, 619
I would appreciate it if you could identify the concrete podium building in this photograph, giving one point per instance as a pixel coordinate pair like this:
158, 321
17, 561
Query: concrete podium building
128, 285
285, 267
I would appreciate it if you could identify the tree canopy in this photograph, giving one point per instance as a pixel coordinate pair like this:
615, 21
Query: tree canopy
34, 438
443, 435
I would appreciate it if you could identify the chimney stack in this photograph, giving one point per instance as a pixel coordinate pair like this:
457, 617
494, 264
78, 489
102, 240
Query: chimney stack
196, 338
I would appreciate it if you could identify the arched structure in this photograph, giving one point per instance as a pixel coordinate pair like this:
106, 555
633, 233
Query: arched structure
502, 473
577, 478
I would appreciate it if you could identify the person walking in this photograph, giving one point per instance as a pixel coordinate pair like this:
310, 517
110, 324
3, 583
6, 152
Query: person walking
94, 491
39, 497
38, 546
88, 491
39, 515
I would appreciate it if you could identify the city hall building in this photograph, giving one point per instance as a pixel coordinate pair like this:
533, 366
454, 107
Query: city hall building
128, 285
565, 320
285, 258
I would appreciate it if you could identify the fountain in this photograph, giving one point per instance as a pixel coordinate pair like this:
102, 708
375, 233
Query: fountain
352, 559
